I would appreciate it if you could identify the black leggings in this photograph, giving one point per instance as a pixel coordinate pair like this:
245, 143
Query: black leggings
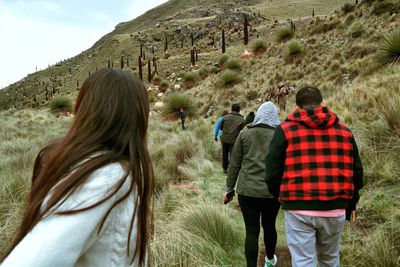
252, 208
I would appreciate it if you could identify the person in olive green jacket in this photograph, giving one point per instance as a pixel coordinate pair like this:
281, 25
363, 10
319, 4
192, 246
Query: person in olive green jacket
247, 168
231, 126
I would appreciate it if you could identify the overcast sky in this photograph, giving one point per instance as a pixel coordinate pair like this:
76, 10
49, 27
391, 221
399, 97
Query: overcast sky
35, 33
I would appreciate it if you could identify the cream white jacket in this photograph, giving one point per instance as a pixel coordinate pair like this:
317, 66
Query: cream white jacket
73, 240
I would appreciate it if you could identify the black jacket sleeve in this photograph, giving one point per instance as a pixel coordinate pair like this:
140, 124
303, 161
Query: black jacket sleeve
275, 162
358, 180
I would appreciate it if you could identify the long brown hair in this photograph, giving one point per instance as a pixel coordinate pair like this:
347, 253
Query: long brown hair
111, 117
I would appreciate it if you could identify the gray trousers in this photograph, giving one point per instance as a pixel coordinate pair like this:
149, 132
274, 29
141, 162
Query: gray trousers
313, 240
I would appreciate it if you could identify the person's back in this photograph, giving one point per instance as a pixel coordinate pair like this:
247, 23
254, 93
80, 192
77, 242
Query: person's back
232, 124
254, 143
90, 198
314, 167
247, 170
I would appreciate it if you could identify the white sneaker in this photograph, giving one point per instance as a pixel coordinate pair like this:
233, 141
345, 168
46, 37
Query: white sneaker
270, 263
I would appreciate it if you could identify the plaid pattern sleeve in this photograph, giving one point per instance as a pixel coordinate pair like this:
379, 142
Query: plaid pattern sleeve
319, 163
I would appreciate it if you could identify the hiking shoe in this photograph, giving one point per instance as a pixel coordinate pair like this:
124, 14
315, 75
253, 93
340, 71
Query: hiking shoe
270, 263
225, 171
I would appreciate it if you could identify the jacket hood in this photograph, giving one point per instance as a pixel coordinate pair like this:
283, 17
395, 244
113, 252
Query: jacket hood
320, 117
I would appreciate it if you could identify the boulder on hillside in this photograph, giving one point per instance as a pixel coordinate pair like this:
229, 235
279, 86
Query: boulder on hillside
159, 106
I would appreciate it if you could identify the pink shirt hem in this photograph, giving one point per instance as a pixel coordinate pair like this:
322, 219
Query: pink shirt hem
320, 213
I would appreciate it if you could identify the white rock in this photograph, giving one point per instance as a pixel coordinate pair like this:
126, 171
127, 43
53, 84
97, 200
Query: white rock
158, 106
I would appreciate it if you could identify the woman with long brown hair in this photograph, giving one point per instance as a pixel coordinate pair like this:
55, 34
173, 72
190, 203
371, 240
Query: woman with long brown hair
91, 194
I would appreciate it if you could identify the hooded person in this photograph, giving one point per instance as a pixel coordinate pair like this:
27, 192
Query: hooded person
246, 171
314, 167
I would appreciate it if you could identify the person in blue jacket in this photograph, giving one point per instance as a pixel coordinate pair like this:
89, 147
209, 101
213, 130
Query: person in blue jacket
217, 126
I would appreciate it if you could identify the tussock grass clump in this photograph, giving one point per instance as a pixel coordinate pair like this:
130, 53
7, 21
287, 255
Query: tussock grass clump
383, 245
347, 8
389, 49
228, 78
177, 100
152, 98
223, 59
295, 52
357, 30
164, 84
324, 27
191, 76
258, 46
156, 80
60, 104
203, 72
389, 111
385, 7
285, 34
212, 223
233, 64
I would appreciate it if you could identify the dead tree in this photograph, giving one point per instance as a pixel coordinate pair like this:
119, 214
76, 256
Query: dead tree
166, 44
109, 64
192, 58
223, 41
246, 30
149, 71
313, 13
140, 68
122, 62
155, 66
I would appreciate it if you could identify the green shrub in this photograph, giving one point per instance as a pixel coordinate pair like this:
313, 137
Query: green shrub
176, 101
156, 79
212, 223
385, 7
152, 98
233, 64
285, 34
295, 51
203, 71
60, 104
191, 76
258, 46
347, 8
228, 77
223, 59
389, 49
357, 30
164, 83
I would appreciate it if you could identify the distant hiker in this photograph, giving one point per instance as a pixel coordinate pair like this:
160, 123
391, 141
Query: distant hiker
248, 170
218, 125
231, 125
91, 194
250, 117
281, 92
182, 115
314, 167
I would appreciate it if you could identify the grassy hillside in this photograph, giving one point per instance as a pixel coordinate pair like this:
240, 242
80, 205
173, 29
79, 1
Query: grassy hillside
338, 51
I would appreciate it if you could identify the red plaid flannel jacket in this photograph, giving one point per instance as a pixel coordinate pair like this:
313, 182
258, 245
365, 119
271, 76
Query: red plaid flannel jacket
319, 157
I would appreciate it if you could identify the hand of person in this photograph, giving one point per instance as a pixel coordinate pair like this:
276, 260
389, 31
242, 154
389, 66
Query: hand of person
226, 199
353, 216
216, 140
228, 195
